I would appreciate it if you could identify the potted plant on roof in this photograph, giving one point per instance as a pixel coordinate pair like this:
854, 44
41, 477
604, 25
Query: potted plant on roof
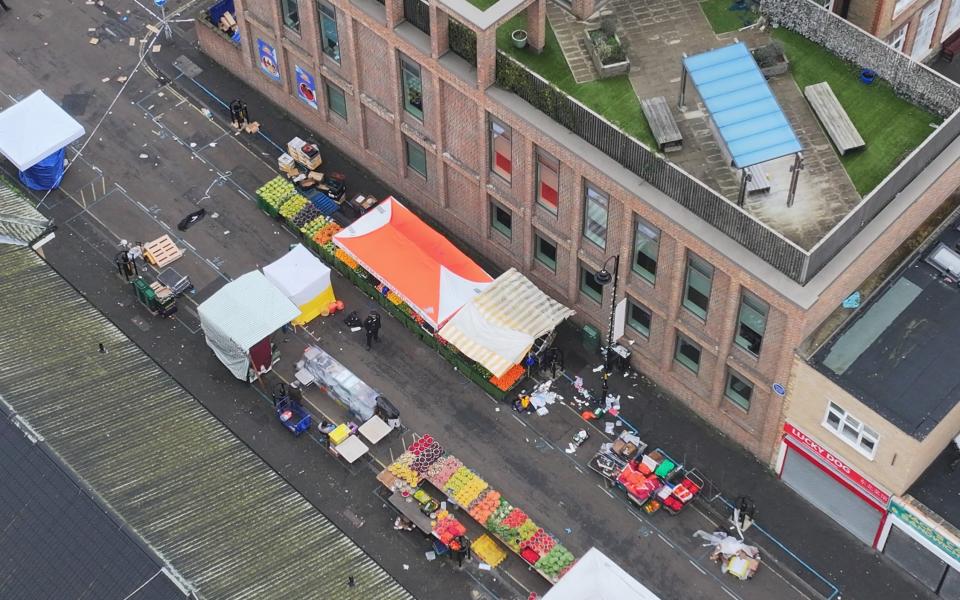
607, 50
771, 59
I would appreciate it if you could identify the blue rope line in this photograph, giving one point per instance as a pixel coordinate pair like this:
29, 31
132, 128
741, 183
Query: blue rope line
227, 106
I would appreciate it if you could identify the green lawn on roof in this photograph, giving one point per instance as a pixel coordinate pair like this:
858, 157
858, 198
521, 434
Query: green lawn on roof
722, 19
891, 126
613, 98
483, 4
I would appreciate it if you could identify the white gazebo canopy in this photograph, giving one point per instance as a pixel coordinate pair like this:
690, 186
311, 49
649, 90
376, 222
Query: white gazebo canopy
299, 274
35, 128
596, 577
242, 313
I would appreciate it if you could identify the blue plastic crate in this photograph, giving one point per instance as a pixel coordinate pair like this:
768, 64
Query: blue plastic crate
323, 203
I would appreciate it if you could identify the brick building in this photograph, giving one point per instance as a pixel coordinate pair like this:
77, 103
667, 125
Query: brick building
718, 300
915, 27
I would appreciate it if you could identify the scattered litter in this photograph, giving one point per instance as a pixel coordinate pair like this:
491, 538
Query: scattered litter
153, 28
91, 29
629, 396
598, 369
355, 329
156, 48
143, 155
94, 41
430, 554
212, 144
121, 78
542, 411
483, 566
568, 530
406, 567
215, 215
193, 144
104, 80
206, 112
608, 427
497, 409
227, 232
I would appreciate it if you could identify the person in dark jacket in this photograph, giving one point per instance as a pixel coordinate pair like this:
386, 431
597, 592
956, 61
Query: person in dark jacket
372, 326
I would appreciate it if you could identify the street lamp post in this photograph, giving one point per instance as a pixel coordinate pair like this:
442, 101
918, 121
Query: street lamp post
603, 277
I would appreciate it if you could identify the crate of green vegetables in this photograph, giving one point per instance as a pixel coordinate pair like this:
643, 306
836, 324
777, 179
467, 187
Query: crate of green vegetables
273, 194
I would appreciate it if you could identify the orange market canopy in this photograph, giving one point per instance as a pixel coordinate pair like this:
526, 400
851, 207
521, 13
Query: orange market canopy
418, 264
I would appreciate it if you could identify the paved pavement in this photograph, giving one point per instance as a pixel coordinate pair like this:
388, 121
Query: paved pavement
156, 157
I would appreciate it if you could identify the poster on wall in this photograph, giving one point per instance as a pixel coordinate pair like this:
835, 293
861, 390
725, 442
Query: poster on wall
268, 60
306, 87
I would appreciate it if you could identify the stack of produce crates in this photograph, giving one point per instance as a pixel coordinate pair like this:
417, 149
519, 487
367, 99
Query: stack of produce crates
273, 194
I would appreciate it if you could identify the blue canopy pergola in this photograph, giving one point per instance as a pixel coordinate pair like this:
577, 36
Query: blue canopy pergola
743, 109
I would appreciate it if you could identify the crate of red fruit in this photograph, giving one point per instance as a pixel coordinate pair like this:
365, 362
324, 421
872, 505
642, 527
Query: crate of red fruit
515, 519
420, 445
542, 542
427, 457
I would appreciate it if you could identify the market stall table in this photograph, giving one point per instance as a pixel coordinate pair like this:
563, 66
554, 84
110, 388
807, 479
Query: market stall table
410, 509
375, 429
350, 449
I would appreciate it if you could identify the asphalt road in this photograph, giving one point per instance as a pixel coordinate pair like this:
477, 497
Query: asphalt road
156, 157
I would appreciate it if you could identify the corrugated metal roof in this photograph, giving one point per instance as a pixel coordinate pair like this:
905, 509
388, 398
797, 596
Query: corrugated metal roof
740, 102
20, 222
204, 501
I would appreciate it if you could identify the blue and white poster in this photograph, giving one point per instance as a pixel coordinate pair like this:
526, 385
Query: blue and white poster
306, 87
268, 60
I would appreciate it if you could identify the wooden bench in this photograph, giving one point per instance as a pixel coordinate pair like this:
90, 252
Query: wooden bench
835, 120
664, 128
758, 184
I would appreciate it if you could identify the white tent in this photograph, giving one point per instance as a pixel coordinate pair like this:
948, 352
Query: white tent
596, 577
304, 280
35, 128
498, 326
240, 315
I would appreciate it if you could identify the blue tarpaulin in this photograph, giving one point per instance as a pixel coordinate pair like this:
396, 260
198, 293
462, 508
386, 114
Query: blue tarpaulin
216, 11
744, 110
46, 174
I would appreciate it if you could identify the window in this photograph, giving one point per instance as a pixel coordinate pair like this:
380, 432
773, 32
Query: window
501, 220
548, 180
739, 390
851, 430
589, 285
291, 14
646, 249
412, 87
899, 38
751, 323
336, 100
696, 298
416, 156
687, 353
501, 149
595, 215
545, 252
900, 6
638, 318
329, 36
953, 19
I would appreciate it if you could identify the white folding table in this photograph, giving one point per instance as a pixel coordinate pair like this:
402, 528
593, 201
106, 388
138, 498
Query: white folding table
351, 449
375, 429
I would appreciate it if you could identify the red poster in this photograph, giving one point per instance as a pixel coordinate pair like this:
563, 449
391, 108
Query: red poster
548, 194
503, 163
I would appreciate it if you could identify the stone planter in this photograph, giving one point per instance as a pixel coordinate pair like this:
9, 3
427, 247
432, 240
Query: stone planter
519, 38
778, 68
609, 69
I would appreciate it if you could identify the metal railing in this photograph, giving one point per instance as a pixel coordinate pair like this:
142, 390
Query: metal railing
417, 12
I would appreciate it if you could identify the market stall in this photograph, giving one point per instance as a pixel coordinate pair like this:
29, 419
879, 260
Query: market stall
498, 326
237, 322
596, 577
413, 260
432, 478
33, 135
304, 280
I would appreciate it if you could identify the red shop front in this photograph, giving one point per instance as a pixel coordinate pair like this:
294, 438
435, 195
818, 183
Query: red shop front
829, 483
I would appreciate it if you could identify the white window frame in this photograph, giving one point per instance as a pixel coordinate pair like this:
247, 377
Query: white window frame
898, 39
930, 12
851, 430
900, 6
953, 20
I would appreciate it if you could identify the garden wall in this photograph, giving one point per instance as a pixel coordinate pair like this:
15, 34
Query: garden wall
914, 81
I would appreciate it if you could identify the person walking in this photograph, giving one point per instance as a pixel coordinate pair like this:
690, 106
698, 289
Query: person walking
372, 326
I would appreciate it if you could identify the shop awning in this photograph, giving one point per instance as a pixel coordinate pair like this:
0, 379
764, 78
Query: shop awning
304, 280
35, 128
741, 105
416, 262
596, 577
498, 327
242, 313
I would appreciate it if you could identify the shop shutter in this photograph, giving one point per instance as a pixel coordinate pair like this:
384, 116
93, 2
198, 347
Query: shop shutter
914, 558
823, 491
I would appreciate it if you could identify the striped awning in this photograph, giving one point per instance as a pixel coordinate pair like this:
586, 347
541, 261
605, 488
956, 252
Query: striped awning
498, 326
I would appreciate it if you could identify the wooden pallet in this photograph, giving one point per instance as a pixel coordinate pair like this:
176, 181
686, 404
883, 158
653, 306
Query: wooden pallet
161, 251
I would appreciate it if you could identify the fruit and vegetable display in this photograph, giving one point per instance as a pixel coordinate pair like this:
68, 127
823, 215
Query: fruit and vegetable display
427, 457
306, 214
325, 233
346, 258
506, 381
275, 192
446, 527
553, 563
541, 542
294, 205
442, 470
401, 468
481, 508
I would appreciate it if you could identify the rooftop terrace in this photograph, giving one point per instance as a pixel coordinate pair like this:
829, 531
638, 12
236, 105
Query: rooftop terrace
661, 33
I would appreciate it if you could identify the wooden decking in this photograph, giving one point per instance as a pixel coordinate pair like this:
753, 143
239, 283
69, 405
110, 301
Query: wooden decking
662, 124
839, 127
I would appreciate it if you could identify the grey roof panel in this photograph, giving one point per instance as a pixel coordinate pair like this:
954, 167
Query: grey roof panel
19, 220
204, 501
